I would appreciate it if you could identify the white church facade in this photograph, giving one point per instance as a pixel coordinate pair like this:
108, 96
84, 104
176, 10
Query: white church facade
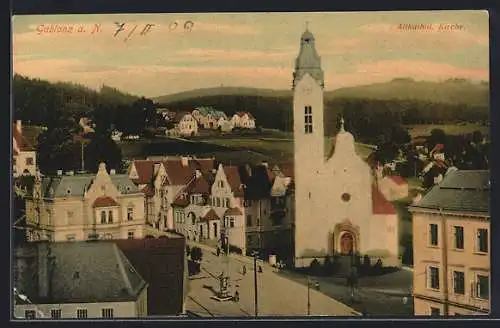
338, 206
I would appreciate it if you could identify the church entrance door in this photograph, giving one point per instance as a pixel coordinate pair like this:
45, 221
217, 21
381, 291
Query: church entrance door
346, 243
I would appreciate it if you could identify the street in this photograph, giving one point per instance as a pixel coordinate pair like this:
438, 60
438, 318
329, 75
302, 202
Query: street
376, 296
277, 295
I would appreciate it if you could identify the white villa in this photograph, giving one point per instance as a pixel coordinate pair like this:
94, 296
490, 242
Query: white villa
243, 120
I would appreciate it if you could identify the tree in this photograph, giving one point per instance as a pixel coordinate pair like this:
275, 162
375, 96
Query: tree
102, 148
196, 254
57, 149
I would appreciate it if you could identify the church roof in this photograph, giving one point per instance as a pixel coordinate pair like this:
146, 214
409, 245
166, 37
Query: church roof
380, 204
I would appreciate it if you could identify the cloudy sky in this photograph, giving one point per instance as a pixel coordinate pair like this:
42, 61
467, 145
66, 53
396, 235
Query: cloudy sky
248, 49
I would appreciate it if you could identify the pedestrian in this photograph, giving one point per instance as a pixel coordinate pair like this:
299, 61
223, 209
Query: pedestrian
260, 269
236, 296
218, 251
244, 270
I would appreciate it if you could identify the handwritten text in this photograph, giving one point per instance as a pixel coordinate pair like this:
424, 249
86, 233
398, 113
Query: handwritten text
68, 28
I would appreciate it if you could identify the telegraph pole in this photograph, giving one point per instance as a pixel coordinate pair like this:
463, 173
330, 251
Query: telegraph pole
255, 284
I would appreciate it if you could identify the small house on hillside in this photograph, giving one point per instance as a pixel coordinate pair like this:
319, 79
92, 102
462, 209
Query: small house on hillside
243, 120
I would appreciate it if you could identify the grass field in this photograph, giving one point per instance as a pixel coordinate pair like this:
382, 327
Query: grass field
451, 129
235, 150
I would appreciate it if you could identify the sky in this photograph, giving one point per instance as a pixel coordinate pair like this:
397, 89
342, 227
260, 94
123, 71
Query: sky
248, 49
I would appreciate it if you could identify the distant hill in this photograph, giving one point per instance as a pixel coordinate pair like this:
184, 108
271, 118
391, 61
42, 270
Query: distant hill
221, 91
452, 91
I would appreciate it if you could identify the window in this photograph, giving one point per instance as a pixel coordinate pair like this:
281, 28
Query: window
459, 237
482, 240
435, 312
308, 128
458, 282
55, 313
81, 314
107, 313
110, 216
30, 314
231, 222
130, 235
103, 216
218, 202
346, 197
433, 234
483, 287
249, 220
433, 277
130, 213
222, 184
228, 205
29, 161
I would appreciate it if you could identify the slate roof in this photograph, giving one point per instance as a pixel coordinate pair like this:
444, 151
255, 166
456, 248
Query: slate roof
83, 272
460, 191
76, 185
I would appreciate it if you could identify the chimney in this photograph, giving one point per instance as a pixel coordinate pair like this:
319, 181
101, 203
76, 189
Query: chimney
112, 171
198, 173
184, 161
59, 172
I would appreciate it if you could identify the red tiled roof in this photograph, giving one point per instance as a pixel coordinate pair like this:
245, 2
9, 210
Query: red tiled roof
198, 186
145, 170
233, 211
20, 143
287, 169
380, 204
148, 191
105, 201
233, 177
211, 215
177, 173
181, 200
397, 179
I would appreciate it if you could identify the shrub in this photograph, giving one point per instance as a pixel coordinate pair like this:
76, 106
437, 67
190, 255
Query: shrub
315, 267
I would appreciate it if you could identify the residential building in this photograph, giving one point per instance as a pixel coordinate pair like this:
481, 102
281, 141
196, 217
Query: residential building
452, 245
185, 125
243, 120
86, 206
338, 192
77, 280
24, 153
209, 118
162, 179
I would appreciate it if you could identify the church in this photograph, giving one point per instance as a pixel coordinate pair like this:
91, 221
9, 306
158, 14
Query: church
339, 208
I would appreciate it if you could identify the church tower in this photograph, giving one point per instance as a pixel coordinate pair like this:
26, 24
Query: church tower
308, 135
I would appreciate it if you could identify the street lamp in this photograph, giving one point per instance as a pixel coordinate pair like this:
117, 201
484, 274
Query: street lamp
254, 254
309, 284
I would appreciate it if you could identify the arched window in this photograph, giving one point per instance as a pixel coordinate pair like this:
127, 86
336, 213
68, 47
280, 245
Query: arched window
308, 127
103, 216
110, 216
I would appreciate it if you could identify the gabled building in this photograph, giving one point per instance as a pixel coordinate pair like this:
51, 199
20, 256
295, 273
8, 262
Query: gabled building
76, 280
452, 246
243, 120
86, 206
24, 153
184, 125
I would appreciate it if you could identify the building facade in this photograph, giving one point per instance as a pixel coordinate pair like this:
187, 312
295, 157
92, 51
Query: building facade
451, 246
243, 120
338, 193
24, 154
109, 288
84, 206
